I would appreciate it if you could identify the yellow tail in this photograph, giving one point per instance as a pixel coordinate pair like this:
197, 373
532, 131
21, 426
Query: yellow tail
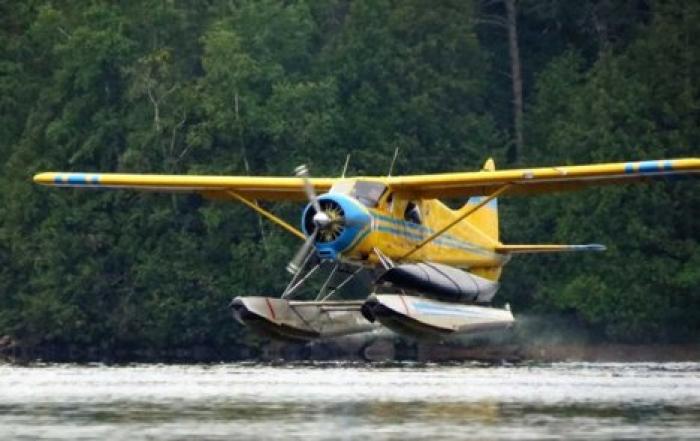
484, 224
485, 219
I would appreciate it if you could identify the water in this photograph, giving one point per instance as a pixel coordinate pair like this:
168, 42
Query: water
341, 401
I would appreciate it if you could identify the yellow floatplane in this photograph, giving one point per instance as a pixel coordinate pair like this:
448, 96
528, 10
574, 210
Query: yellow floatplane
433, 271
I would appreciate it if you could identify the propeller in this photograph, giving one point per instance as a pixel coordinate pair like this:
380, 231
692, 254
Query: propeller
303, 172
302, 254
326, 222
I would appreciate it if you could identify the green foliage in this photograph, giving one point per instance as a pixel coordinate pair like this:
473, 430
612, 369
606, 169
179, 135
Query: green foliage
629, 104
412, 75
257, 87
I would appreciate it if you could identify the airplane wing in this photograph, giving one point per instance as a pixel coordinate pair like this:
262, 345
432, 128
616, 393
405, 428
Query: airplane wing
521, 181
250, 187
527, 181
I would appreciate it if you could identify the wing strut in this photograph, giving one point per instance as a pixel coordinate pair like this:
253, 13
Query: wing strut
267, 214
444, 229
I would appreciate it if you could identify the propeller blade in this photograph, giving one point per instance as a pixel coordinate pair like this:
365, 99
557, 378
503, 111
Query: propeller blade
296, 264
303, 172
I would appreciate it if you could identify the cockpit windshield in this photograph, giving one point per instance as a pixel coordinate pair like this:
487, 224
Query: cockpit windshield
367, 192
342, 187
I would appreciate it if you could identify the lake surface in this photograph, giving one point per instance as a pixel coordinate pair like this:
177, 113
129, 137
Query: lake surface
351, 401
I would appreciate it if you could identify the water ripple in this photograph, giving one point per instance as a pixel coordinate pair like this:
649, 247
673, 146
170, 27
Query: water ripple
349, 401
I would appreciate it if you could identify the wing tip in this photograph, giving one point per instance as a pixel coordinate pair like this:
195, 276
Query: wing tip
45, 178
60, 179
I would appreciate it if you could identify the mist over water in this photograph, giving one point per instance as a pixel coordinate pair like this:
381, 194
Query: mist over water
351, 401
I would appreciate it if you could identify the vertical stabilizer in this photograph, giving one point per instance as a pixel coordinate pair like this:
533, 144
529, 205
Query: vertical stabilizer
485, 219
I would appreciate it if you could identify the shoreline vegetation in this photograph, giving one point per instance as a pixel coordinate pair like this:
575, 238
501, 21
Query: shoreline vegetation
258, 87
429, 353
382, 349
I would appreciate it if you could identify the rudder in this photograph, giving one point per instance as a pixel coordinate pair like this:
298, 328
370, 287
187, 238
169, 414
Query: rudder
485, 219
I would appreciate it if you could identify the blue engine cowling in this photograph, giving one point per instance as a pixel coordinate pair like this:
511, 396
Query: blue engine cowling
356, 224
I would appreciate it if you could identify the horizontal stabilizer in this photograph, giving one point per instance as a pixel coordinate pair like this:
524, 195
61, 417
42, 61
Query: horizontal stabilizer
522, 249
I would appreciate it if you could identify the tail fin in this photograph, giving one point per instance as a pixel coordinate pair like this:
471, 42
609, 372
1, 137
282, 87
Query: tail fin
485, 219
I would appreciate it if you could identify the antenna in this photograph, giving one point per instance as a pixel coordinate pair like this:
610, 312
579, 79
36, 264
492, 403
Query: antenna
345, 167
393, 161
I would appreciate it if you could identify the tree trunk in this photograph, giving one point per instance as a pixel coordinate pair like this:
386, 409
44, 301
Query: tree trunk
516, 77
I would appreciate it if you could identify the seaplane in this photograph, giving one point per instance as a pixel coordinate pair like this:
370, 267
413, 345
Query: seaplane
427, 271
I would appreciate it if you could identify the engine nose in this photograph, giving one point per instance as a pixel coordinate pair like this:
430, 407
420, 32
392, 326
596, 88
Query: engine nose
342, 221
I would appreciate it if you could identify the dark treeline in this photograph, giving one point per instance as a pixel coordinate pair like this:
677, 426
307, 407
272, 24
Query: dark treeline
260, 86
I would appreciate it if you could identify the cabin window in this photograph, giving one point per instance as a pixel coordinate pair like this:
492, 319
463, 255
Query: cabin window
412, 213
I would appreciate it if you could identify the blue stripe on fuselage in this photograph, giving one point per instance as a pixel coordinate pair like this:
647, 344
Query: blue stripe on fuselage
401, 223
447, 241
420, 229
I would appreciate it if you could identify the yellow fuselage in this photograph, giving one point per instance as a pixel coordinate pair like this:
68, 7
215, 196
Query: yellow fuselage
467, 244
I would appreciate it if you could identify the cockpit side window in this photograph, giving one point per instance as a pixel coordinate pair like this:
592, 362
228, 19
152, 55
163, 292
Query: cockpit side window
412, 213
389, 203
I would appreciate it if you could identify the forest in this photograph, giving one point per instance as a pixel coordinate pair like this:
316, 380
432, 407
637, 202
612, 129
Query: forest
257, 87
